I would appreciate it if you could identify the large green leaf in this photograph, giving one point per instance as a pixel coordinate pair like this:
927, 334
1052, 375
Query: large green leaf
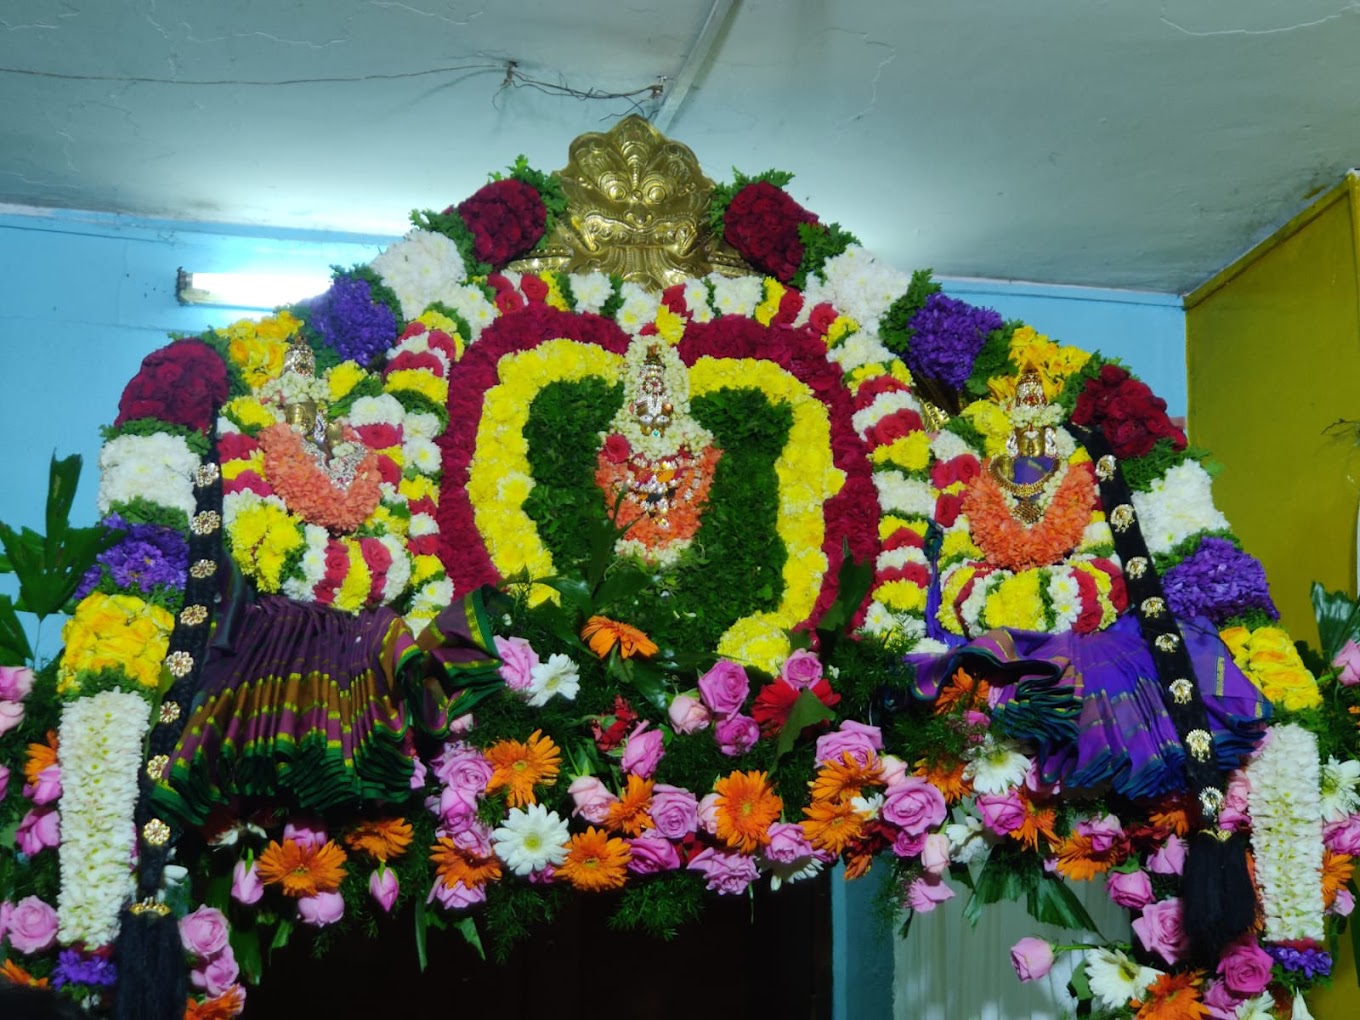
852, 584
1052, 901
62, 478
14, 647
1338, 619
1003, 877
807, 711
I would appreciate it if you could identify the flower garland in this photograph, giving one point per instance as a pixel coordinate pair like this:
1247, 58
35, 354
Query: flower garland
1286, 837
1008, 542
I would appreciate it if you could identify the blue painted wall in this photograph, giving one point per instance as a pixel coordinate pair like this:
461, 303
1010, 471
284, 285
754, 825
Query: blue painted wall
88, 296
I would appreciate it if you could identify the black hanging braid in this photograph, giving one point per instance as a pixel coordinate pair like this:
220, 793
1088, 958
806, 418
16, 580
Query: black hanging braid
152, 978
1217, 895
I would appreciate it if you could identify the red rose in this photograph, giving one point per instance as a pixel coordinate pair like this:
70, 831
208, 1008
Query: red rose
379, 435
895, 426
183, 384
674, 298
823, 315
947, 509
1088, 620
534, 288
904, 538
616, 448
411, 360
506, 218
963, 468
789, 307
761, 222
1127, 412
235, 446
871, 388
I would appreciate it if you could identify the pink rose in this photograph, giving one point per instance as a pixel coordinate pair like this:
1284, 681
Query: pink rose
1343, 837
914, 807
1170, 859
724, 687
246, 886
518, 660
11, 715
908, 844
592, 799
1235, 813
736, 735
861, 741
6, 909
707, 813
305, 830
727, 874
15, 682
1104, 833
383, 887
218, 974
1132, 889
418, 770
462, 726
4, 781
204, 932
462, 767
651, 854
39, 829
1348, 661
674, 811
688, 714
1245, 968
1344, 904
32, 925
457, 808
1001, 812
788, 844
457, 896
1221, 1003
47, 788
925, 894
323, 908
802, 669
894, 770
935, 853
643, 751
1159, 929
1032, 958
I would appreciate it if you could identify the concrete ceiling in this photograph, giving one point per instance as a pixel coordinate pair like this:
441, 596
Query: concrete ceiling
1121, 143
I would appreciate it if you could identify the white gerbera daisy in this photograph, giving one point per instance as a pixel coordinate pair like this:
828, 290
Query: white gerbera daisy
1115, 979
967, 841
530, 839
1339, 795
558, 675
996, 768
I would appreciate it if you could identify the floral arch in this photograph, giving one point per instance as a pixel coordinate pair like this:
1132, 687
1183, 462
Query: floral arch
618, 531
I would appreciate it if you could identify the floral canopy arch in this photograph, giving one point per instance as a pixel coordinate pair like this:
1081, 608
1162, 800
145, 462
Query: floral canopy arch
622, 533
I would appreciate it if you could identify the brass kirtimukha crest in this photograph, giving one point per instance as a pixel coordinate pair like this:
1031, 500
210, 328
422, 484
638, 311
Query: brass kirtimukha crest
637, 207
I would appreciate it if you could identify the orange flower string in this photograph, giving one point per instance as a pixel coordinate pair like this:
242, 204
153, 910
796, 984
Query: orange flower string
595, 861
1008, 543
309, 491
519, 767
383, 840
629, 814
603, 634
302, 869
746, 806
454, 864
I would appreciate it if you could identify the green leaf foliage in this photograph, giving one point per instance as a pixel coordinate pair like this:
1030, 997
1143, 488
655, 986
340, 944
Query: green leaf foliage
895, 326
807, 711
450, 224
1338, 619
821, 243
993, 359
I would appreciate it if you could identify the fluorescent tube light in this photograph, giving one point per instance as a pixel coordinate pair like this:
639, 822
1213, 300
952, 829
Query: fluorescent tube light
248, 290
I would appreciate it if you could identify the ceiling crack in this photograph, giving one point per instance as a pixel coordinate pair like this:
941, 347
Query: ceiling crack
1349, 8
427, 14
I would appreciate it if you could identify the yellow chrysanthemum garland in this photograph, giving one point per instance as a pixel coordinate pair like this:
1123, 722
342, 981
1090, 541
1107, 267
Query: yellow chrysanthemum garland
120, 633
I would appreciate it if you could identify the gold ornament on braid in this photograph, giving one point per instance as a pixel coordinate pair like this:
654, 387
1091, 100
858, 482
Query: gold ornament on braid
637, 207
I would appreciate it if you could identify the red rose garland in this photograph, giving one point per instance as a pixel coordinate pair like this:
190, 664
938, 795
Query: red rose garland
182, 383
1127, 412
762, 222
506, 219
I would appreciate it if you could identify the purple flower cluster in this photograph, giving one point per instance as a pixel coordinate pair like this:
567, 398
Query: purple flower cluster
147, 557
946, 337
71, 968
1311, 963
1218, 581
351, 323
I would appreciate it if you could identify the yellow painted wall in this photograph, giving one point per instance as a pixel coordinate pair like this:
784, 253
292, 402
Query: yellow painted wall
1273, 358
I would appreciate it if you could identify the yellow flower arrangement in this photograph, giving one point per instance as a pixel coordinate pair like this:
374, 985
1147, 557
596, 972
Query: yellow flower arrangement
769, 308
1269, 658
761, 640
1016, 603
257, 348
910, 452
249, 413
414, 380
115, 632
341, 379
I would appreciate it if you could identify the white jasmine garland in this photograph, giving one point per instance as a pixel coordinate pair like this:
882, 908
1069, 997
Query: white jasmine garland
947, 446
100, 753
1065, 597
1286, 835
398, 571
420, 269
683, 431
159, 468
1179, 504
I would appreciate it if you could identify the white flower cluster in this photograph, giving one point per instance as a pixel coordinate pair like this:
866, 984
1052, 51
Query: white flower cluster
591, 291
1286, 833
158, 467
638, 308
898, 494
100, 753
472, 304
1179, 504
888, 403
422, 268
859, 285
737, 295
683, 431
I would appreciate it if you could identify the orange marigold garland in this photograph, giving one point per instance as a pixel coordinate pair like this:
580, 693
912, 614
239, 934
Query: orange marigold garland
309, 491
1009, 543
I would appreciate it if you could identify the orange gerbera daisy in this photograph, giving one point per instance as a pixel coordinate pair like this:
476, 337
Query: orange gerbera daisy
384, 840
225, 1006
519, 767
832, 825
1076, 858
40, 756
746, 806
301, 868
603, 634
1038, 822
629, 814
963, 689
455, 864
946, 777
1173, 819
1173, 997
1336, 872
14, 974
857, 862
595, 861
847, 778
